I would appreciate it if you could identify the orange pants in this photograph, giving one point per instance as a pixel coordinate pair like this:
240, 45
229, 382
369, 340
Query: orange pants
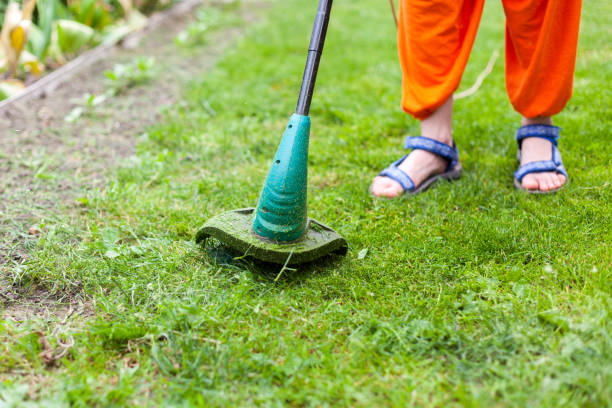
435, 38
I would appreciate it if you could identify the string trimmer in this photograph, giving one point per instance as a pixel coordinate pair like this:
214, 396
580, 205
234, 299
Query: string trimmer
279, 230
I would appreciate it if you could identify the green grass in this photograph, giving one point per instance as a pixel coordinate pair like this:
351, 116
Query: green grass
472, 294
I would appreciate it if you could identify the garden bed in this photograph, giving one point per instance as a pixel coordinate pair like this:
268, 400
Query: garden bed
57, 37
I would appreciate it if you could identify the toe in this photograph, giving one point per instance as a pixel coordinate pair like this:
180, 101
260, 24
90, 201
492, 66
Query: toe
392, 188
559, 180
377, 186
546, 182
542, 182
556, 183
530, 182
552, 181
385, 187
562, 179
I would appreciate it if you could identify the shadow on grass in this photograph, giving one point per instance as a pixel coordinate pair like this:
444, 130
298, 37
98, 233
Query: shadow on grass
228, 258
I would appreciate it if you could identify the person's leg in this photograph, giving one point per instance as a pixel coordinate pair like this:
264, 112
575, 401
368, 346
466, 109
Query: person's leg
435, 38
541, 42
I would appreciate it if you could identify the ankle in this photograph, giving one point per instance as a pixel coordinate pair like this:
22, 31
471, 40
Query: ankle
538, 120
443, 135
439, 126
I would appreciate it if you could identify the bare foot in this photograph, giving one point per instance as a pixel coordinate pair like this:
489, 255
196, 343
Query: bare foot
420, 165
537, 149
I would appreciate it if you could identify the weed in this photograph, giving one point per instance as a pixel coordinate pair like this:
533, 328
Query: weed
207, 20
118, 80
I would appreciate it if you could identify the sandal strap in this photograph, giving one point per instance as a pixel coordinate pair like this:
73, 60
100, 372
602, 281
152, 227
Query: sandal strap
395, 173
548, 132
542, 166
451, 154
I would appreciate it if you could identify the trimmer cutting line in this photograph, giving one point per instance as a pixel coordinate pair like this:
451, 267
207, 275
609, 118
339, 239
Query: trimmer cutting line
279, 230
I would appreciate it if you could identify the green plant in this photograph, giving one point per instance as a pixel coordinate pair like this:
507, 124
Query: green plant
92, 13
124, 76
207, 20
118, 80
72, 36
48, 11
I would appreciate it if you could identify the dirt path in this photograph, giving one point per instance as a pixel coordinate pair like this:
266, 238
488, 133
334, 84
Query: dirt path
47, 163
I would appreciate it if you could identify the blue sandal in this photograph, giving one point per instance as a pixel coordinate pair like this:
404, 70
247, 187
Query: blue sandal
550, 133
451, 154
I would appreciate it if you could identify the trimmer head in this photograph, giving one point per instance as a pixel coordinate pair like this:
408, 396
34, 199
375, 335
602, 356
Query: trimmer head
235, 229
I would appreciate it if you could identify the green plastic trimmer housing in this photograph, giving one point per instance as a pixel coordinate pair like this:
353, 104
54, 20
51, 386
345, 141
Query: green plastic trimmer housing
279, 230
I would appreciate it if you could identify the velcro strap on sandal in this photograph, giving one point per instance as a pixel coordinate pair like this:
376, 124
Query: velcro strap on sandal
395, 173
548, 132
433, 146
534, 167
556, 165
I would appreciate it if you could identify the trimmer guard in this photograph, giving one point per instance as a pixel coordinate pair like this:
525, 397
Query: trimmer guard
235, 230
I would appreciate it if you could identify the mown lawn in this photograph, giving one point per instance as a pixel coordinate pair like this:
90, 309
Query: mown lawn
472, 294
